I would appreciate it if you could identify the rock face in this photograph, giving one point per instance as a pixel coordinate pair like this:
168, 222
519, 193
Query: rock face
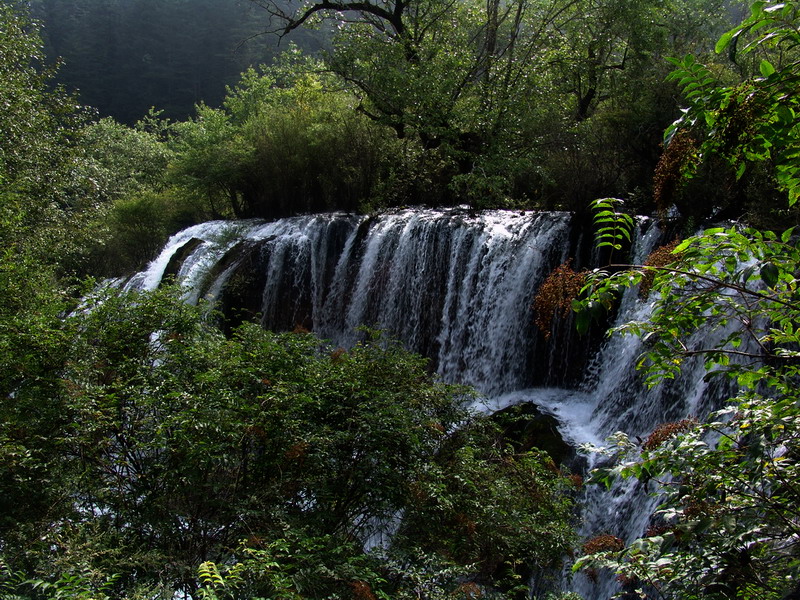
180, 255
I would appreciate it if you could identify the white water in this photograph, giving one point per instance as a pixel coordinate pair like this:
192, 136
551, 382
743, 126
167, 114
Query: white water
457, 287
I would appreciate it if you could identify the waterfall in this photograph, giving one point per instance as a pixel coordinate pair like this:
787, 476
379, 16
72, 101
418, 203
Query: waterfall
457, 287
454, 286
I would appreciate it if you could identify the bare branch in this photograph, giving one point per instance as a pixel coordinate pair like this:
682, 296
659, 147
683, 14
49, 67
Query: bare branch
393, 17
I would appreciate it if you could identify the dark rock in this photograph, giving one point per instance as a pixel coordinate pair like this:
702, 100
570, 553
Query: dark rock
180, 255
526, 427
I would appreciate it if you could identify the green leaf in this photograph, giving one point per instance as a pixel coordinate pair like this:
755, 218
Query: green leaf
582, 321
596, 310
723, 41
770, 274
766, 68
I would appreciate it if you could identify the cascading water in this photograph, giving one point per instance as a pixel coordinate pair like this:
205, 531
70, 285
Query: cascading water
457, 287
452, 286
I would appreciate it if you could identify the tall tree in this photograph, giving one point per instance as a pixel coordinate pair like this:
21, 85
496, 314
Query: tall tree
429, 66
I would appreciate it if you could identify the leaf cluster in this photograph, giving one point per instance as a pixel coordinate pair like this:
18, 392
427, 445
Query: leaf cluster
733, 280
754, 121
726, 526
149, 443
612, 227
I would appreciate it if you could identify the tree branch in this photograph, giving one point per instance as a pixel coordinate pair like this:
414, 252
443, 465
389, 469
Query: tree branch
717, 282
394, 17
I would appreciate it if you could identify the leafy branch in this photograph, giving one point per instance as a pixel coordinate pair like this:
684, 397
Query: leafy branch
727, 523
612, 227
755, 121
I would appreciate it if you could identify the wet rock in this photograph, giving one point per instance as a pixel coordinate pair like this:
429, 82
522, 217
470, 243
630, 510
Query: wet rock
526, 427
180, 255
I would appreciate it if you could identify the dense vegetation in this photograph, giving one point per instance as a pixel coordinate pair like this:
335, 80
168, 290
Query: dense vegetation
546, 104
143, 453
728, 523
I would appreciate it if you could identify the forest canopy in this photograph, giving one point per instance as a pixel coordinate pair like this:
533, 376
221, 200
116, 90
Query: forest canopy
543, 104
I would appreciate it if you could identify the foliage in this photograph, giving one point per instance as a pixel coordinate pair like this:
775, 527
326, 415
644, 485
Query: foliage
59, 172
291, 569
660, 257
612, 227
41, 225
753, 121
77, 586
122, 160
465, 508
727, 276
727, 523
522, 102
427, 576
124, 170
284, 143
669, 173
35, 128
545, 103
167, 444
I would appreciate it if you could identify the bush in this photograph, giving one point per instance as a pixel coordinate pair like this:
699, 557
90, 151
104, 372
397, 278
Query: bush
284, 143
168, 444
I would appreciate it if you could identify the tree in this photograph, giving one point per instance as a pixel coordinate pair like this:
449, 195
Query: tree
727, 524
456, 76
286, 141
35, 129
606, 74
151, 444
57, 172
505, 95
